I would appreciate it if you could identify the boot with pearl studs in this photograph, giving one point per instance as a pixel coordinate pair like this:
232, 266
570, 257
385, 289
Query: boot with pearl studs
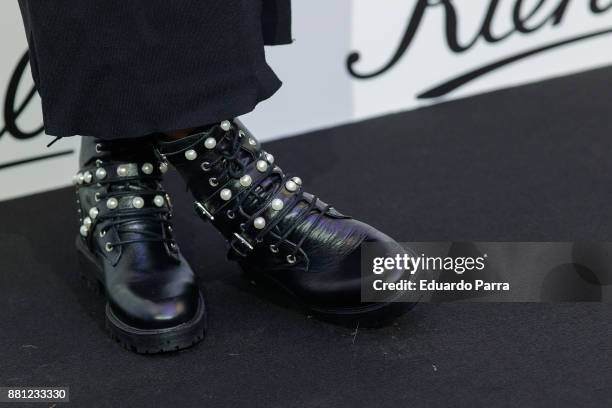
126, 248
280, 234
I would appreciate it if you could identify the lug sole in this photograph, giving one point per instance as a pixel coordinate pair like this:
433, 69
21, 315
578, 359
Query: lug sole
369, 315
134, 339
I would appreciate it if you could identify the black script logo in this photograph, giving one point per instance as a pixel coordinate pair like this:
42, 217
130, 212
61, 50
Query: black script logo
524, 23
12, 109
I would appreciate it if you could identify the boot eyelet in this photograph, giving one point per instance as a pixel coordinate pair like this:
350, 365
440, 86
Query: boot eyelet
173, 246
102, 233
163, 167
213, 182
108, 247
99, 163
273, 249
243, 226
205, 166
291, 259
230, 214
98, 148
97, 197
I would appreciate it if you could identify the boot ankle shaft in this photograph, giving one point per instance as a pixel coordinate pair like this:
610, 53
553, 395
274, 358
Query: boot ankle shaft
136, 149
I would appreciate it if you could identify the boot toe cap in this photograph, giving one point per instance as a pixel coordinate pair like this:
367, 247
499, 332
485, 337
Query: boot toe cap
335, 281
146, 309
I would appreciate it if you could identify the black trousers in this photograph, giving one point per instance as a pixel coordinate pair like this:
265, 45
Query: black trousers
128, 68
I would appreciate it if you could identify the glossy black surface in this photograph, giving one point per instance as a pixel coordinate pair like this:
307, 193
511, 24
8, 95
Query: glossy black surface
306, 247
129, 246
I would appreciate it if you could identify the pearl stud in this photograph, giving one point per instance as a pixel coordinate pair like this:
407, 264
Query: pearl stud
163, 167
158, 201
101, 173
84, 230
277, 204
112, 203
138, 202
87, 177
297, 181
262, 165
93, 212
291, 186
259, 223
226, 194
210, 143
269, 158
87, 222
191, 154
122, 171
246, 180
147, 168
80, 178
226, 125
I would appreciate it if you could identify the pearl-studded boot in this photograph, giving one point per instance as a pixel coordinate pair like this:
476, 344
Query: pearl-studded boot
125, 245
277, 232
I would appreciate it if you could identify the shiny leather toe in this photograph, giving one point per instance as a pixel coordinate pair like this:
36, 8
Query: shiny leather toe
155, 295
333, 278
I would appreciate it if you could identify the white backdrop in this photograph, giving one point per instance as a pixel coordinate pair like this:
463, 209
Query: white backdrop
451, 49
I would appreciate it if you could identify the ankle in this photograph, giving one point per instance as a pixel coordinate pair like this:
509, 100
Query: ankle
172, 135
176, 134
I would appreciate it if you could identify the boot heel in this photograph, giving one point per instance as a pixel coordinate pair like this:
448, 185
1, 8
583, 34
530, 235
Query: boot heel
88, 273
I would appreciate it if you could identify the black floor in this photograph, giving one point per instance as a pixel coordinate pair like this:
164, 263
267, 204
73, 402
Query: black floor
530, 163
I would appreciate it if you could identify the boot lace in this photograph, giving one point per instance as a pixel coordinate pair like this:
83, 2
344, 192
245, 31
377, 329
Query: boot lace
251, 203
129, 221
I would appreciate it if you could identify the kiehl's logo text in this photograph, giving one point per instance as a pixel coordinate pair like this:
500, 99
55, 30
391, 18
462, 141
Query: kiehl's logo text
527, 18
14, 108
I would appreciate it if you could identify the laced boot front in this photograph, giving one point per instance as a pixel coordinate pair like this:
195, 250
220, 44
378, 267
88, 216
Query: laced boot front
276, 230
125, 243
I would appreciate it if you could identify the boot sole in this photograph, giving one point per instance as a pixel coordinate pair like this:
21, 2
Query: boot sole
368, 315
134, 339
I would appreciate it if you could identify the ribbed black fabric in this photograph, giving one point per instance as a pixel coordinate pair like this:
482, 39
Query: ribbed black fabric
276, 22
119, 69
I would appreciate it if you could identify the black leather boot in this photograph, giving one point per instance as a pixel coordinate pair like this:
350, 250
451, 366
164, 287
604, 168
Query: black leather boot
125, 244
275, 230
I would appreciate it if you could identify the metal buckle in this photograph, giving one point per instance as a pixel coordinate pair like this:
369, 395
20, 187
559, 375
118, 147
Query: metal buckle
244, 244
202, 211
